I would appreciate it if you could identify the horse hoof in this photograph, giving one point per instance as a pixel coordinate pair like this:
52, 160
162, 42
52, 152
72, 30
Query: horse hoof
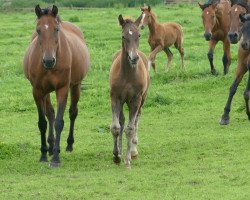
117, 159
43, 159
213, 72
69, 148
54, 164
134, 155
224, 120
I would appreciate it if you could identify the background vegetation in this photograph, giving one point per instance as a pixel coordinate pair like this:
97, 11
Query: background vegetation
183, 151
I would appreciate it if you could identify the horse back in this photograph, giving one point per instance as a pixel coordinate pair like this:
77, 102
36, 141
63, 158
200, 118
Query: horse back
173, 32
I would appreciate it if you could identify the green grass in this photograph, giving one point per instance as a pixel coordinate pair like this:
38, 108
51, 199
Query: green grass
183, 151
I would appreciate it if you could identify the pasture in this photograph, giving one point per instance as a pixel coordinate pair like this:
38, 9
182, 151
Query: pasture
183, 151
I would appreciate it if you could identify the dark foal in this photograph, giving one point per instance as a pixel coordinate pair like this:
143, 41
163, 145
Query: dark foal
129, 81
57, 59
216, 24
242, 67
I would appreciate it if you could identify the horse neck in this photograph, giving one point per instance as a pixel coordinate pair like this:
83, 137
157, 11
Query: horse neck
153, 26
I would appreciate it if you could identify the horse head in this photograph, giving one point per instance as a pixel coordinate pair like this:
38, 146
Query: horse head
245, 19
48, 30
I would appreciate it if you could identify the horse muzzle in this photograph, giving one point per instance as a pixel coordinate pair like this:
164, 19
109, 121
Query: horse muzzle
133, 61
208, 36
233, 37
49, 63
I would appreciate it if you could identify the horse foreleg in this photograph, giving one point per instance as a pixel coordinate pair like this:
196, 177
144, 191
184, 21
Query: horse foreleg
42, 123
241, 70
61, 97
210, 55
50, 113
116, 128
170, 57
226, 59
246, 92
73, 112
152, 56
134, 107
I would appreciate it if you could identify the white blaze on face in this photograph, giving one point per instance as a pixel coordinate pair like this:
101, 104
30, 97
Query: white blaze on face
236, 9
207, 12
131, 53
143, 17
46, 26
130, 32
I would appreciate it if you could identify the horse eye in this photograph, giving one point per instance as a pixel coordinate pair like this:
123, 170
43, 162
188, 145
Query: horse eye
38, 31
123, 37
57, 29
139, 35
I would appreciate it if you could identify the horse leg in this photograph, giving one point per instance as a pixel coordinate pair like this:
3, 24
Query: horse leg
42, 123
178, 45
61, 97
170, 57
50, 113
121, 121
116, 129
210, 55
73, 112
241, 70
152, 55
134, 106
226, 59
246, 92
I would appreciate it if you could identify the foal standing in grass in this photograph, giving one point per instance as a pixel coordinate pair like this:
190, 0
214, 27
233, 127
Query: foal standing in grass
161, 37
57, 59
129, 81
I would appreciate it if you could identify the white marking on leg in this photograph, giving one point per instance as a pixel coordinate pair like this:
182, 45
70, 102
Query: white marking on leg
46, 26
149, 64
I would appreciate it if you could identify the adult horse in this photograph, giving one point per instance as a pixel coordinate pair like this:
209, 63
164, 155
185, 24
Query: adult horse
235, 33
57, 59
161, 37
129, 81
216, 24
242, 67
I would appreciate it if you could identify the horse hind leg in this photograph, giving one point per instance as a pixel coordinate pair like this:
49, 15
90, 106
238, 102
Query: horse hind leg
170, 57
179, 46
50, 114
73, 112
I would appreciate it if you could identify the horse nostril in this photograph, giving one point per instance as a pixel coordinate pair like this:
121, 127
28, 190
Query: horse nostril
235, 35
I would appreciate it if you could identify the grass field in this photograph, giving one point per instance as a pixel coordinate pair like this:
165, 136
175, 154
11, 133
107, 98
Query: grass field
183, 151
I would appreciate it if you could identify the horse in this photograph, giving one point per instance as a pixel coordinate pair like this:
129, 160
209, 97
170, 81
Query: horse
129, 82
238, 7
242, 67
234, 35
161, 37
57, 59
216, 24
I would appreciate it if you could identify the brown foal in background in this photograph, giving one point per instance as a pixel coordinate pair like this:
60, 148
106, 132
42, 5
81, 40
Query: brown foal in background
161, 37
129, 81
57, 59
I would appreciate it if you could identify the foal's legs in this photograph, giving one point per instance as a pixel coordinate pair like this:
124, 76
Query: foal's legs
178, 45
50, 113
246, 92
170, 57
210, 55
73, 111
152, 57
42, 123
116, 128
226, 59
134, 106
61, 96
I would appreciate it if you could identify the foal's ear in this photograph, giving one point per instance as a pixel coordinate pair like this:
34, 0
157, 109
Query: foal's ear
201, 6
242, 17
54, 11
121, 20
149, 8
138, 21
38, 11
214, 5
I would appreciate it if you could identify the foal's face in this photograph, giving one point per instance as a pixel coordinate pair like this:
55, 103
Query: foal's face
245, 19
234, 33
146, 18
130, 39
48, 28
209, 20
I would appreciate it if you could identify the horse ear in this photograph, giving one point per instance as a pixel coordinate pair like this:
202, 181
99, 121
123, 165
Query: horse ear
138, 21
38, 11
121, 20
233, 2
201, 6
214, 5
54, 11
242, 17
149, 8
